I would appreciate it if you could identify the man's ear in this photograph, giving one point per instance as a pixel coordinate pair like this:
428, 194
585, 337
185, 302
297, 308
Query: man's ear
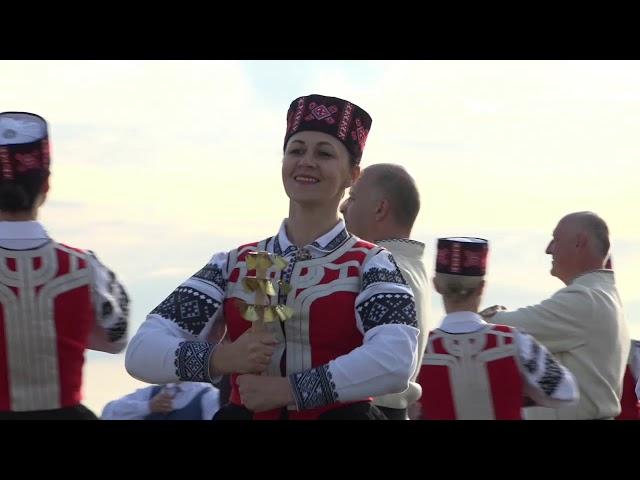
382, 209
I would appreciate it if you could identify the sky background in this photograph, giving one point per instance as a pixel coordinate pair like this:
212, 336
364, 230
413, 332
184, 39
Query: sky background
157, 165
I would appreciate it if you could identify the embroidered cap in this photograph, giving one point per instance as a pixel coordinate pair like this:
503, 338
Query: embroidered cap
465, 256
336, 117
24, 144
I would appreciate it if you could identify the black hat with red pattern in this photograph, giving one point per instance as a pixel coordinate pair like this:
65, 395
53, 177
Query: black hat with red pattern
24, 144
336, 117
465, 256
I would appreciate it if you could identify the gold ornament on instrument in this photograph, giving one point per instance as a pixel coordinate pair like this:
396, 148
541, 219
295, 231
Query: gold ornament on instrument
251, 284
261, 311
283, 312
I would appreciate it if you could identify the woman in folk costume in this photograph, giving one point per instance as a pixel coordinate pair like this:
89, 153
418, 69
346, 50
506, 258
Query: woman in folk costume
474, 370
56, 300
352, 330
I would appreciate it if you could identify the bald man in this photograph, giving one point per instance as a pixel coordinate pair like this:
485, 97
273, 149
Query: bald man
582, 324
381, 208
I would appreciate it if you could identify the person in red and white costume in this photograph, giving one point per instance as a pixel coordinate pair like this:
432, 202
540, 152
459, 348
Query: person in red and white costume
353, 333
474, 370
56, 300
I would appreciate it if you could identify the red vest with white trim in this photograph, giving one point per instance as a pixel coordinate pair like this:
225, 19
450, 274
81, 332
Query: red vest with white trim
45, 321
323, 326
471, 376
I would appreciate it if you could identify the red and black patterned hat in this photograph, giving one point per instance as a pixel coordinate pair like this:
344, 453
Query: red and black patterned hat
339, 118
24, 144
462, 256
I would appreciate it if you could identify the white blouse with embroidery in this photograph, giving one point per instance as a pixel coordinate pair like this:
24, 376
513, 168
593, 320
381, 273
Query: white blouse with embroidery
177, 338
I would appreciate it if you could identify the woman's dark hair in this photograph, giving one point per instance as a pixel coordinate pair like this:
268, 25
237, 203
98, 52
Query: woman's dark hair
20, 194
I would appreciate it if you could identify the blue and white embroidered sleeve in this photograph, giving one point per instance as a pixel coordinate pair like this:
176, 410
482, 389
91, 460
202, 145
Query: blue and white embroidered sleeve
111, 309
386, 315
176, 340
545, 381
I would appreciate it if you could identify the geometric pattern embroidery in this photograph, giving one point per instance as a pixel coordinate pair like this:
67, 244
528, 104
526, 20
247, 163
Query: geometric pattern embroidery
393, 261
300, 254
314, 388
347, 114
387, 308
360, 134
118, 291
192, 361
321, 112
277, 249
113, 283
294, 254
402, 240
189, 308
303, 254
335, 243
334, 116
376, 275
119, 330
114, 314
212, 274
123, 301
107, 310
552, 375
285, 277
532, 364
